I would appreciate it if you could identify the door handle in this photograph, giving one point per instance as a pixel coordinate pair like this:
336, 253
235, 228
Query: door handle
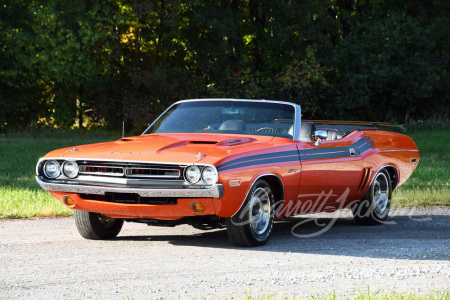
352, 152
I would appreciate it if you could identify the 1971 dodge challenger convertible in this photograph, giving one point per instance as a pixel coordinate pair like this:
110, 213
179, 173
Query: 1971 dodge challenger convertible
239, 164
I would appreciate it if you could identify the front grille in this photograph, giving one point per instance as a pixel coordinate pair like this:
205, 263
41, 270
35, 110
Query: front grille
152, 172
102, 169
131, 170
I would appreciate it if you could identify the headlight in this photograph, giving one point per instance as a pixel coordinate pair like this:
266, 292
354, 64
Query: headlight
192, 174
70, 169
209, 175
52, 169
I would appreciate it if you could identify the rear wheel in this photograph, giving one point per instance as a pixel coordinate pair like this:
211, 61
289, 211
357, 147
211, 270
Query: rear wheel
373, 208
252, 224
95, 226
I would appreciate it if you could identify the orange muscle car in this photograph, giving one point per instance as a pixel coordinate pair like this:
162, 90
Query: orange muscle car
239, 164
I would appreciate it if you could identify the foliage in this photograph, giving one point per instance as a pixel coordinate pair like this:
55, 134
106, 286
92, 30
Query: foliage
85, 62
388, 68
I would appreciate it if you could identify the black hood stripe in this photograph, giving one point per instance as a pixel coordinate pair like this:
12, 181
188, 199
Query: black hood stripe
265, 161
259, 156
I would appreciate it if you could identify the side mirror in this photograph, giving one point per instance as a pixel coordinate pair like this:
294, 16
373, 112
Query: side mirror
320, 135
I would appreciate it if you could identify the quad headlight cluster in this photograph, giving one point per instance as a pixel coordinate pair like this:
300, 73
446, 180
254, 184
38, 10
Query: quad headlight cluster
70, 169
193, 174
53, 169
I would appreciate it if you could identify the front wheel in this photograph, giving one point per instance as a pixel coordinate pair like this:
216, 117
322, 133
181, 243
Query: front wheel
95, 226
252, 224
373, 208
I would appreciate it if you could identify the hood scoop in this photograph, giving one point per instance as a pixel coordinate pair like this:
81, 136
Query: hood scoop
126, 139
236, 141
204, 142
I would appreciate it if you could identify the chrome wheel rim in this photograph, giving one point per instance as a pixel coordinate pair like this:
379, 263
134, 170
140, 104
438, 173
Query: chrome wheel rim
260, 210
381, 193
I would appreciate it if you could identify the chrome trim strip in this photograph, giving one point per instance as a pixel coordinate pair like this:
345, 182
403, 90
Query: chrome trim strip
297, 122
297, 116
121, 181
215, 191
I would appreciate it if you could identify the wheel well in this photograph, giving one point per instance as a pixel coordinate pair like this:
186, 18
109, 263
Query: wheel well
277, 186
393, 174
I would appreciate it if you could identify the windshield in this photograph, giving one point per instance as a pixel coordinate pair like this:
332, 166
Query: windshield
242, 117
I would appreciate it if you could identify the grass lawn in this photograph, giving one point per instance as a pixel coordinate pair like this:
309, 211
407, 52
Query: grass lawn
359, 295
22, 197
430, 182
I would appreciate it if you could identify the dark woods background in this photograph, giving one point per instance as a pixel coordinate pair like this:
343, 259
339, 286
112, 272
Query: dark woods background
68, 63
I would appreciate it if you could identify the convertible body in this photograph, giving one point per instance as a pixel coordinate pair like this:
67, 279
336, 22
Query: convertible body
229, 163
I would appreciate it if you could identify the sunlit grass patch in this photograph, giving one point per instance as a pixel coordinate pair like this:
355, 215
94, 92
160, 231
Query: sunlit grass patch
421, 196
22, 197
20, 202
359, 295
430, 182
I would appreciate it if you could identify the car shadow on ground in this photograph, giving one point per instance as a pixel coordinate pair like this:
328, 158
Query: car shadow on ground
400, 238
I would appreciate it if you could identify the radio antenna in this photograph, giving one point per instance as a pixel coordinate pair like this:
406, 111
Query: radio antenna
123, 129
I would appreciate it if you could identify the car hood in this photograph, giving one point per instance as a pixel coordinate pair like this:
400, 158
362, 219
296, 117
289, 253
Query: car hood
168, 148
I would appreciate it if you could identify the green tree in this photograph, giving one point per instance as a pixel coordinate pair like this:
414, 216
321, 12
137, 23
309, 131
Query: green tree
386, 69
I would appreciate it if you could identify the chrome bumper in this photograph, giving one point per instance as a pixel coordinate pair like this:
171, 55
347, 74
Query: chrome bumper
215, 191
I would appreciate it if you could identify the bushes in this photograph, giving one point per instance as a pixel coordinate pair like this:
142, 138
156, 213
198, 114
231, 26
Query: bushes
66, 63
390, 69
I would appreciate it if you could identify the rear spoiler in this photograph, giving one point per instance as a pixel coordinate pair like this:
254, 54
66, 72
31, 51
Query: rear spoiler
361, 123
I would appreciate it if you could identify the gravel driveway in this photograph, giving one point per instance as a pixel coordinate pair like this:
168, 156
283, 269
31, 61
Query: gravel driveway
47, 259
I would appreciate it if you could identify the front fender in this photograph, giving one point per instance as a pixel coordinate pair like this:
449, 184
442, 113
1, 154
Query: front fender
234, 196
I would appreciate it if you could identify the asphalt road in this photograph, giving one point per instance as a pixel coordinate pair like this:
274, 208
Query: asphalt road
47, 259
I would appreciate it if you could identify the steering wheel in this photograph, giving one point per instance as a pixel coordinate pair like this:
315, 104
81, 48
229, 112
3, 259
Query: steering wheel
267, 129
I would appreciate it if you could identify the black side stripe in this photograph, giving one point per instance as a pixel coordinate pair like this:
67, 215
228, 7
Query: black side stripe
365, 147
326, 155
360, 147
259, 162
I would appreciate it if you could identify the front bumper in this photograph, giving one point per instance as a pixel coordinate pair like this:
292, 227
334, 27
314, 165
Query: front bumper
215, 191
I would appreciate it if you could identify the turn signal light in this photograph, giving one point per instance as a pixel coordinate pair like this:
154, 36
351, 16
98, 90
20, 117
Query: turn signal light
68, 201
197, 207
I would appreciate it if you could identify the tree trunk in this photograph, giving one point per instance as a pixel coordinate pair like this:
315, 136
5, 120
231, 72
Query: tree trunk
79, 106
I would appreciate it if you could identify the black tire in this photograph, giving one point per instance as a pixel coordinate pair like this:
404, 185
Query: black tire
374, 206
258, 206
95, 226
